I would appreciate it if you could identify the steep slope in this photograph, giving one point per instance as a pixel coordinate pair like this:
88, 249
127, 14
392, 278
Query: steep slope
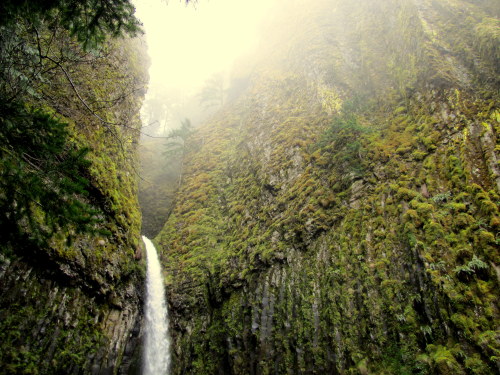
157, 186
70, 276
341, 216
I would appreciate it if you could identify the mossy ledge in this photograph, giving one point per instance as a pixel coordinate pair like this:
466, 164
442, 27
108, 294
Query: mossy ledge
342, 215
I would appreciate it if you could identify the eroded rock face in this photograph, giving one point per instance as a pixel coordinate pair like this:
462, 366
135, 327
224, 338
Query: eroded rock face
51, 326
347, 223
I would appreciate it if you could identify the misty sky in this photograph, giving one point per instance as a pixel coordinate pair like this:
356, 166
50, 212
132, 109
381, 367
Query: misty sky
187, 44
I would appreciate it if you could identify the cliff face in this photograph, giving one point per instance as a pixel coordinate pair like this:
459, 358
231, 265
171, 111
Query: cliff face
70, 298
341, 215
50, 325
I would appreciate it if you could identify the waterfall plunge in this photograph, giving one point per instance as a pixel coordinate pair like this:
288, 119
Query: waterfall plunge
156, 358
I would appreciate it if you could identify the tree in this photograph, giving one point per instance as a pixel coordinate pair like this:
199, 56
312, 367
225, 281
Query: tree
43, 171
41, 183
90, 21
157, 109
176, 146
213, 92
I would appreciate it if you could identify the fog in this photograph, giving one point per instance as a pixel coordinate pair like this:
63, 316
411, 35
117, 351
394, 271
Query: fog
188, 45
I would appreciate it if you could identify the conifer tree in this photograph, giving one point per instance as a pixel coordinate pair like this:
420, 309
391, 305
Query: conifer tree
176, 145
43, 184
213, 92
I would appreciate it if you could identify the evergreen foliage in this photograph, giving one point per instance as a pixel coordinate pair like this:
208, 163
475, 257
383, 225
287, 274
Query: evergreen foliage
341, 143
176, 146
70, 95
41, 178
213, 92
90, 21
158, 185
45, 168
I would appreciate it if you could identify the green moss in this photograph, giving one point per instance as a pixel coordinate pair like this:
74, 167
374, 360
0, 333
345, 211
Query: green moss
443, 360
54, 326
363, 234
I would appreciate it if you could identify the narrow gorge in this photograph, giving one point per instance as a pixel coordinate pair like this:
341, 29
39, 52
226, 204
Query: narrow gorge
337, 212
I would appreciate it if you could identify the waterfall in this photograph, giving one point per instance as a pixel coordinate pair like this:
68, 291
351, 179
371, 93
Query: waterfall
156, 359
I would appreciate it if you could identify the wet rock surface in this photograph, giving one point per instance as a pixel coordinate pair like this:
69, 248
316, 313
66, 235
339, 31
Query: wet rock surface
55, 327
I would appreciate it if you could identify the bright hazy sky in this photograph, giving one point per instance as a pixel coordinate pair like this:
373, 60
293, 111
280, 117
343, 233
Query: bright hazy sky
187, 44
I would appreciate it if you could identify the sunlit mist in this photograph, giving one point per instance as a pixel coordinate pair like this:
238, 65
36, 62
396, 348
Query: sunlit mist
188, 43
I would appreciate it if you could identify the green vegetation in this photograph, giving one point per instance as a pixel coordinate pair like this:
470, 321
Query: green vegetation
91, 22
41, 179
177, 138
161, 166
342, 215
56, 137
74, 336
69, 103
157, 185
213, 92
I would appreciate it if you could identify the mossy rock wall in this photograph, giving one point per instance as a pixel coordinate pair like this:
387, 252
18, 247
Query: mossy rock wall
341, 216
74, 305
50, 326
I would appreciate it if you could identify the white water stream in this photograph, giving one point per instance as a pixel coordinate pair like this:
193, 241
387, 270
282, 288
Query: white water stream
156, 358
